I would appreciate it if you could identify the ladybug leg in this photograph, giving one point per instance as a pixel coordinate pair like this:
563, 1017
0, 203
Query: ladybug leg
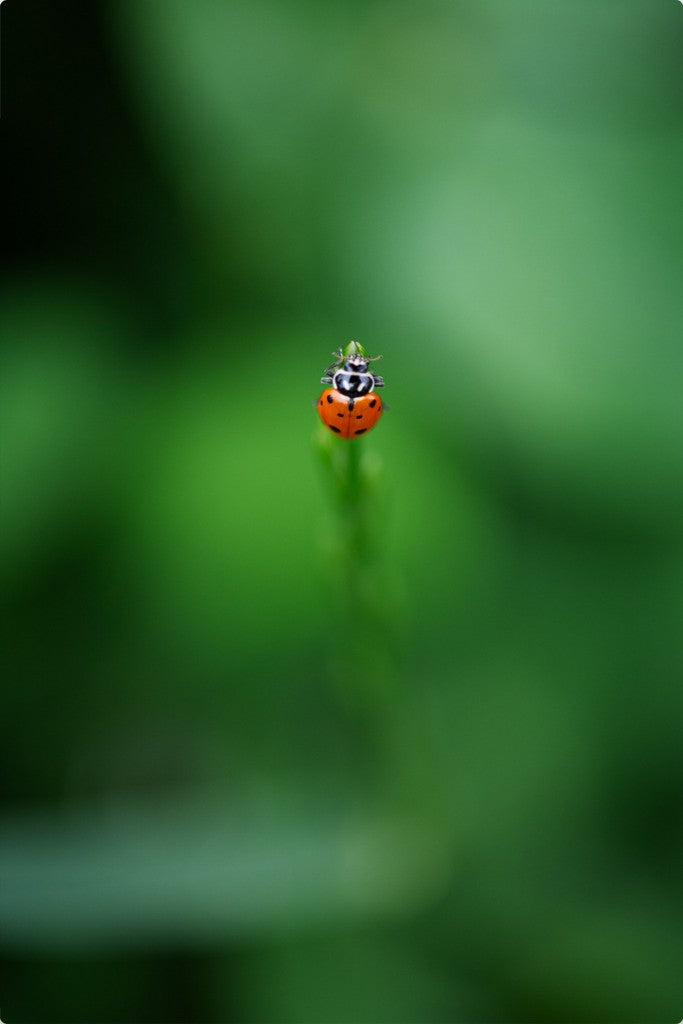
379, 381
326, 380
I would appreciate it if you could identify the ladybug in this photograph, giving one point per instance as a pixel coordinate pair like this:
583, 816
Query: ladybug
350, 407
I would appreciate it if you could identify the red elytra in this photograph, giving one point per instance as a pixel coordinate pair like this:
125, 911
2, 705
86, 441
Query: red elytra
349, 417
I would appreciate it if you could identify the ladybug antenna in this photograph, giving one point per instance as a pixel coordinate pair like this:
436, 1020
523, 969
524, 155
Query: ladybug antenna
373, 359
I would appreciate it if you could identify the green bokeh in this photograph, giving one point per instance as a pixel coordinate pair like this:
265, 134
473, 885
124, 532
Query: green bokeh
241, 782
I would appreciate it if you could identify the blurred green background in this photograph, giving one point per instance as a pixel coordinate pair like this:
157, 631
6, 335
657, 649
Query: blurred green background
232, 789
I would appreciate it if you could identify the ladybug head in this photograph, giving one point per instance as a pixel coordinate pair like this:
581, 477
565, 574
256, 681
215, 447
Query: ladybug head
356, 364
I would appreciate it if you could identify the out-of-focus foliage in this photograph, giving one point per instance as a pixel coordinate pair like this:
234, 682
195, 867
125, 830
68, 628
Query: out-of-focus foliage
223, 800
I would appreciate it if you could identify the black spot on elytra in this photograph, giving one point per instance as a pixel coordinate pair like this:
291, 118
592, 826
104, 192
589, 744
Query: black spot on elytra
362, 431
336, 429
340, 415
352, 402
359, 417
320, 402
373, 403
330, 399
